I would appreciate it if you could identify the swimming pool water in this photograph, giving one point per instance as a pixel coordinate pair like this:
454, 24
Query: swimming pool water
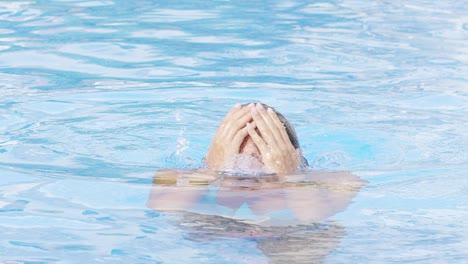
97, 95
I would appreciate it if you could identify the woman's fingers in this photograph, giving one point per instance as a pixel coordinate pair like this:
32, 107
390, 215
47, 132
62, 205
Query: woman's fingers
238, 124
235, 122
258, 140
258, 113
275, 130
272, 129
281, 134
237, 140
215, 155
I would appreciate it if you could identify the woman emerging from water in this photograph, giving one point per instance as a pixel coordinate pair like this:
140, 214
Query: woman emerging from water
256, 185
255, 160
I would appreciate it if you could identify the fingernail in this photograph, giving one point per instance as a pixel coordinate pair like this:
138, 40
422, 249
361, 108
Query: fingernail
251, 105
270, 110
254, 111
260, 106
237, 106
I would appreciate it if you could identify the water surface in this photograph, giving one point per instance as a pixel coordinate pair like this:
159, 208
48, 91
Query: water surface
97, 95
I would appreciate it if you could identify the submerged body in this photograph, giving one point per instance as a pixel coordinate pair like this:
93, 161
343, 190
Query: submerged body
256, 173
267, 200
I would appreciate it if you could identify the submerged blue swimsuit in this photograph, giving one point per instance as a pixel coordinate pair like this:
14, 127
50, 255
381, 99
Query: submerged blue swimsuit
208, 205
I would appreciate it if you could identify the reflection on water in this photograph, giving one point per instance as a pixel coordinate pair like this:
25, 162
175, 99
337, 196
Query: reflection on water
297, 243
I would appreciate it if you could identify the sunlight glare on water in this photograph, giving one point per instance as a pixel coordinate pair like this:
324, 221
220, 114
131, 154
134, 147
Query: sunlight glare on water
95, 96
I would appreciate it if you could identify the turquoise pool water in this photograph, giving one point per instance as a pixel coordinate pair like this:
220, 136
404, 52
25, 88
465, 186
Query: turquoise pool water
95, 96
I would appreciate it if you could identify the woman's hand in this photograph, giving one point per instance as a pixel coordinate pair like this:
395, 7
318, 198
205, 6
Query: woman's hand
278, 154
228, 138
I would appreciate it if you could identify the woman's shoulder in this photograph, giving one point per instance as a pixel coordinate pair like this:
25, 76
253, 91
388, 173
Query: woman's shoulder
324, 176
179, 176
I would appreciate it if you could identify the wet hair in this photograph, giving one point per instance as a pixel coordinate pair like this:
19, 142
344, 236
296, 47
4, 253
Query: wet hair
289, 129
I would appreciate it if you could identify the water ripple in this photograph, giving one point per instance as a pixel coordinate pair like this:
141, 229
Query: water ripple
96, 95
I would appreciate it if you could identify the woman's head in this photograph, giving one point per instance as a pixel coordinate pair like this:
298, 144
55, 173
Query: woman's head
255, 138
